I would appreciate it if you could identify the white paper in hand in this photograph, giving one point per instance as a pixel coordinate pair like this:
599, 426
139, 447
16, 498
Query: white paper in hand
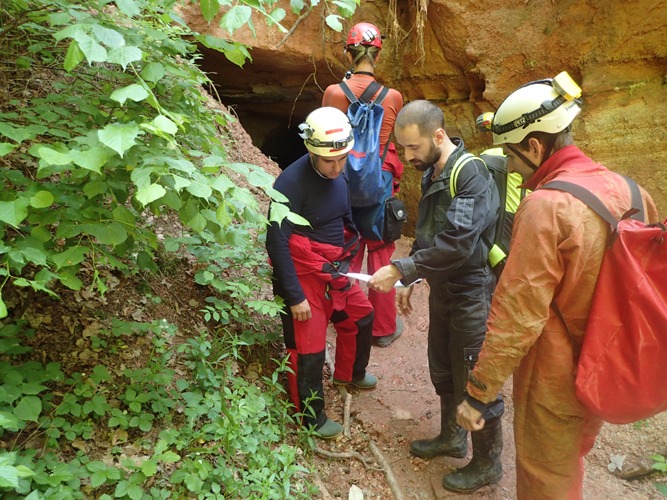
365, 277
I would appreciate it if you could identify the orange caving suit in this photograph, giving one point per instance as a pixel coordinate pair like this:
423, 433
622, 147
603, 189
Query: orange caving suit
557, 249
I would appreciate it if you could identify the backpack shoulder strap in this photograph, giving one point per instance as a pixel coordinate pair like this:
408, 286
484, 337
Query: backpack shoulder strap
584, 195
348, 92
637, 201
369, 92
456, 170
383, 93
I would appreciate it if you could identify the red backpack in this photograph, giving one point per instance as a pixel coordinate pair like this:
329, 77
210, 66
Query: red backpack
621, 370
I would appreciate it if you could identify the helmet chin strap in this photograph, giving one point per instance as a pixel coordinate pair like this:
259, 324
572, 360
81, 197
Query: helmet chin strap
547, 153
521, 155
312, 164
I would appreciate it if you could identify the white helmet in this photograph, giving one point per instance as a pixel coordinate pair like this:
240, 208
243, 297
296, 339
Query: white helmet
327, 132
542, 106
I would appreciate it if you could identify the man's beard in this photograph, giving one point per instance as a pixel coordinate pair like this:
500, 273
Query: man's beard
431, 159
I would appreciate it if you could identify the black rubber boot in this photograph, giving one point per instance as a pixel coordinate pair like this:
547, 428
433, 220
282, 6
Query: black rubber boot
452, 440
485, 467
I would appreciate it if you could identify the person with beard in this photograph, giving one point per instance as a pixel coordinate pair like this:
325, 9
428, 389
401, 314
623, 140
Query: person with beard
450, 251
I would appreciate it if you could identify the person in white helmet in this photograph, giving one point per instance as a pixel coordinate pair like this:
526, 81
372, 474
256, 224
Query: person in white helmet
308, 257
362, 51
557, 248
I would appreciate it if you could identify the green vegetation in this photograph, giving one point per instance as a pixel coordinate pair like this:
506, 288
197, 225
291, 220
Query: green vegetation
104, 129
660, 464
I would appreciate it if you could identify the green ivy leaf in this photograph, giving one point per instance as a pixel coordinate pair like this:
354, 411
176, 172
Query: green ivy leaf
97, 479
153, 72
134, 92
42, 199
235, 18
198, 222
209, 9
170, 457
150, 194
70, 257
9, 421
18, 134
28, 408
276, 16
91, 159
119, 137
59, 18
110, 38
149, 468
346, 7
92, 50
164, 124
112, 233
122, 214
222, 215
297, 5
13, 212
125, 56
128, 7
6, 148
333, 21
53, 157
9, 477
199, 190
73, 57
70, 280
3, 314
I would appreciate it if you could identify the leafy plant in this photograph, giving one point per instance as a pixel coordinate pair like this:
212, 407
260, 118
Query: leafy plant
105, 129
660, 464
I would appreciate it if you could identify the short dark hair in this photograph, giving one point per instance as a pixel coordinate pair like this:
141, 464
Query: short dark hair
427, 116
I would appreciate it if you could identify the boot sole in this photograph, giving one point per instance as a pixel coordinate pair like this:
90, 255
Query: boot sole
470, 490
458, 454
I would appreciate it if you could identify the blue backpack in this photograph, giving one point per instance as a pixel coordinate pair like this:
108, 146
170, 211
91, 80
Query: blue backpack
364, 163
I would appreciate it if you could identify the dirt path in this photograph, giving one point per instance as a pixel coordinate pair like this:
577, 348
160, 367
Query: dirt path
404, 407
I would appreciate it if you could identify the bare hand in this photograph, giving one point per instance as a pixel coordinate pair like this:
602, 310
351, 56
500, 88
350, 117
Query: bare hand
469, 418
384, 279
403, 304
301, 311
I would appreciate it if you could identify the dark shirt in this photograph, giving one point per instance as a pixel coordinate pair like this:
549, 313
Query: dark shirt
448, 240
325, 203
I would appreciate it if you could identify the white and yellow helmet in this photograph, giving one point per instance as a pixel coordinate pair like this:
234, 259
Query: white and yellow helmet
327, 132
542, 106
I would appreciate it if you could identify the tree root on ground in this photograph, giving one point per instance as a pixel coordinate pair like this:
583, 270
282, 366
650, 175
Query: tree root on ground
391, 479
343, 455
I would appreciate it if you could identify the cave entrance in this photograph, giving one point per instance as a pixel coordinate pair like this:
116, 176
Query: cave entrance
270, 103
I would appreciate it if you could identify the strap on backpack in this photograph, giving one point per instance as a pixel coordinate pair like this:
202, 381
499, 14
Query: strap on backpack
367, 94
595, 204
496, 254
365, 98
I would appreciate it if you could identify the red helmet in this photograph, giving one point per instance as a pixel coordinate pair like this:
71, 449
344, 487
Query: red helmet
365, 34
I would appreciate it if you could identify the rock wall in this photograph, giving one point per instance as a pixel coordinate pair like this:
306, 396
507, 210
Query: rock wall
467, 56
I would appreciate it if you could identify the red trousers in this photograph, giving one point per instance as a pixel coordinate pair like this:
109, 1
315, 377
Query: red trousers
384, 304
352, 316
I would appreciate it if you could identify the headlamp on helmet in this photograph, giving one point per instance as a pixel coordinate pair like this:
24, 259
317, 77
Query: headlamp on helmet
540, 106
327, 132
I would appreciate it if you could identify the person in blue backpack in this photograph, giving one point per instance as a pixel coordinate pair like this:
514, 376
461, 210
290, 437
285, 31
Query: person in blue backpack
362, 51
451, 252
